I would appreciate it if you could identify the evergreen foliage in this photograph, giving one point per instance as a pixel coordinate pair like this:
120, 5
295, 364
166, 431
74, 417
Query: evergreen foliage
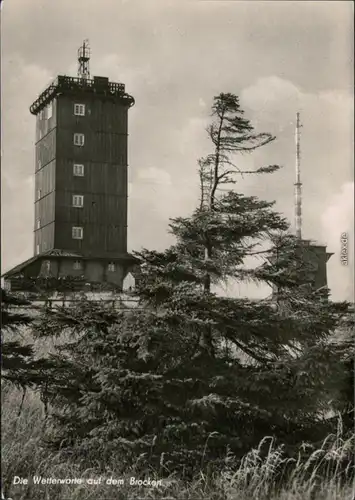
344, 345
19, 365
196, 374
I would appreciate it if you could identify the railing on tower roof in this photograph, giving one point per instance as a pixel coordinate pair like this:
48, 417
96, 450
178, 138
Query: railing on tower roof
96, 85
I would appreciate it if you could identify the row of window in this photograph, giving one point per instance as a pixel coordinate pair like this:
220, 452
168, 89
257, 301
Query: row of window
47, 112
78, 264
78, 139
78, 171
77, 231
77, 202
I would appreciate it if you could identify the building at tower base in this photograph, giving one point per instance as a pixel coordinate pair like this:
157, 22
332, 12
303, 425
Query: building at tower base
78, 271
315, 256
311, 261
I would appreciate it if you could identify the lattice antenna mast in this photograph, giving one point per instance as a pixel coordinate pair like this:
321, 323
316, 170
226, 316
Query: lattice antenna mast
84, 61
298, 183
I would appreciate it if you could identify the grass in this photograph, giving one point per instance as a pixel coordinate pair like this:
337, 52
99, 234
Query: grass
253, 478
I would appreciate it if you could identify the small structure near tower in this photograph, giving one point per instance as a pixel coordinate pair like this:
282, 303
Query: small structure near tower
313, 254
80, 181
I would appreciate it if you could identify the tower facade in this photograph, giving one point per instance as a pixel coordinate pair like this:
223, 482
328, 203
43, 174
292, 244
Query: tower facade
81, 179
81, 168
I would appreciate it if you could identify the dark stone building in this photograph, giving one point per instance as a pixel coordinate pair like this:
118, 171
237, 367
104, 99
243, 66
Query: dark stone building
81, 183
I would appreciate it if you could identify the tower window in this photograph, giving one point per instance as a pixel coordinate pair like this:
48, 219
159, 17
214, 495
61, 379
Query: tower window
77, 233
78, 200
47, 265
111, 267
38, 223
79, 139
79, 109
37, 249
39, 194
78, 170
77, 265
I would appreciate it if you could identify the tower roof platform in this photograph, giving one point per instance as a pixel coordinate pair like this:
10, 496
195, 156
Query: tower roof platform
98, 85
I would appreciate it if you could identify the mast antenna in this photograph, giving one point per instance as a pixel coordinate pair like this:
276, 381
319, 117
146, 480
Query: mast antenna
298, 183
84, 61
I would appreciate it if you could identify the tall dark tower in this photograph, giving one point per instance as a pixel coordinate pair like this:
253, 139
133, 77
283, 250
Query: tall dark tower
81, 178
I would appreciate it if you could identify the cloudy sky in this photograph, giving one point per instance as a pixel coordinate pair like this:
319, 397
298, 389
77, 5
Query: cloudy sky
174, 56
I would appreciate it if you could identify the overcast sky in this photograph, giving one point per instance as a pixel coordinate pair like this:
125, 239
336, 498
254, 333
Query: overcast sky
174, 56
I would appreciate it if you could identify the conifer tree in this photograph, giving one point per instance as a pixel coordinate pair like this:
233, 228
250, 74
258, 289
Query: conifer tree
15, 357
19, 365
193, 374
344, 345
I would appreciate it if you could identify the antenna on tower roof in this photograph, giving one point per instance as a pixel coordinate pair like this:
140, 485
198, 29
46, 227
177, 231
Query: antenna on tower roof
84, 60
298, 183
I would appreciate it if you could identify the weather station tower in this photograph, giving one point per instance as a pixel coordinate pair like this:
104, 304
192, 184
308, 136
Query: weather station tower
81, 183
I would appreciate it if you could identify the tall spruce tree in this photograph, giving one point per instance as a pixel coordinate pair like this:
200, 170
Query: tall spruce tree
193, 373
